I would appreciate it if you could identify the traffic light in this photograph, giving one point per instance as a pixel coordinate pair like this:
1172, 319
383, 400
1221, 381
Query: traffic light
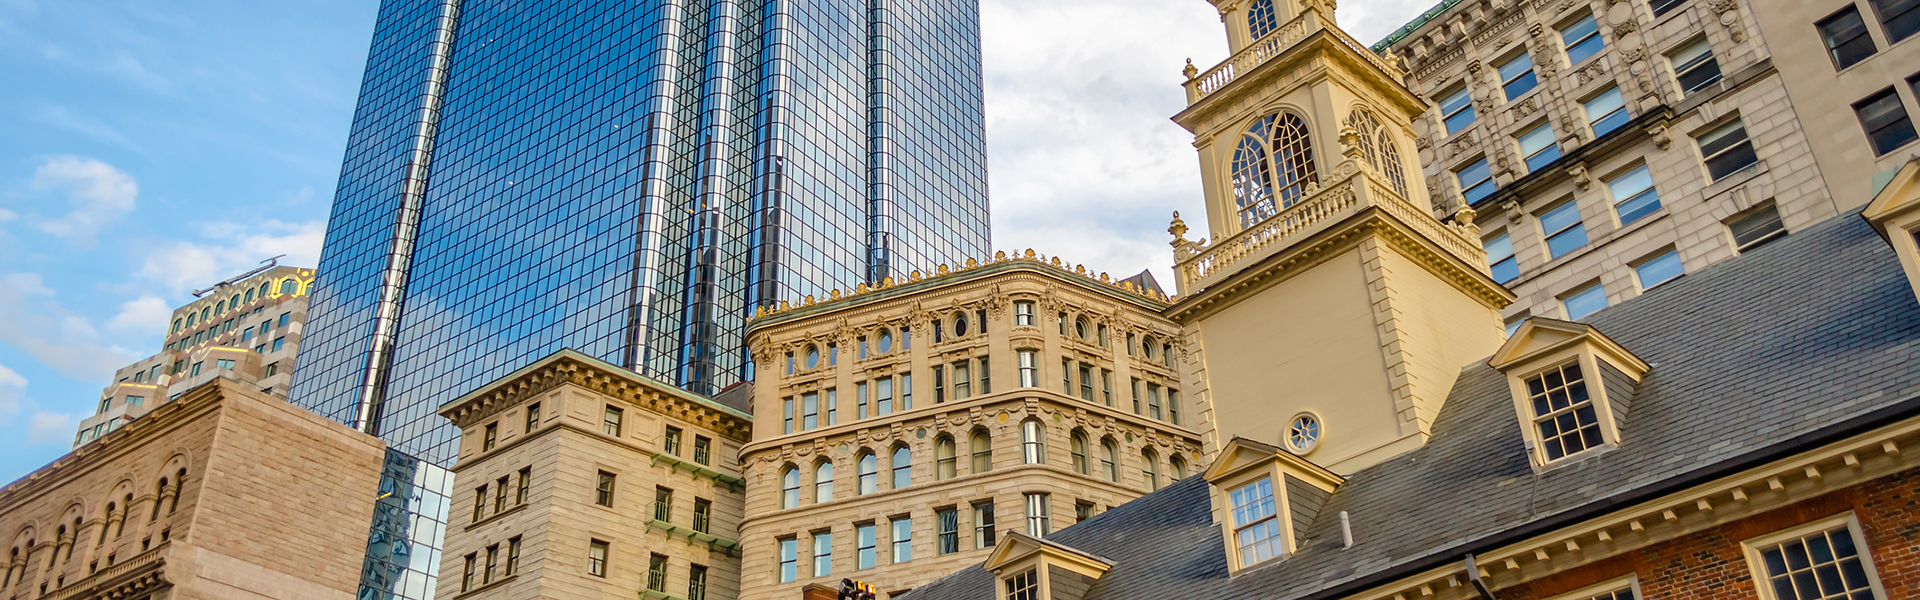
856, 590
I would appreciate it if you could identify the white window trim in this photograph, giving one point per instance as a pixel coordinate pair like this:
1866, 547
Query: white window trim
1591, 375
1631, 581
1757, 568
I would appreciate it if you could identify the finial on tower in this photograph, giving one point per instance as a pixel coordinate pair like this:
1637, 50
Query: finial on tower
1190, 71
1178, 229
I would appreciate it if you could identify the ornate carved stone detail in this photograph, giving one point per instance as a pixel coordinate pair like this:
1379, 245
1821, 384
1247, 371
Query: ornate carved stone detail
1594, 70
1578, 171
1729, 12
1660, 137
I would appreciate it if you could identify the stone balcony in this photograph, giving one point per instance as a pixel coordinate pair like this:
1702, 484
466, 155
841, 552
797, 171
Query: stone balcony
1279, 42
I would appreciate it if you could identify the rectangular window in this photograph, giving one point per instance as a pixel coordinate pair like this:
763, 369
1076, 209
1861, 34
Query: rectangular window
479, 502
1173, 406
809, 411
833, 412
986, 381
597, 558
1693, 65
246, 335
1066, 376
702, 450
1885, 120
1659, 269
603, 489
1457, 109
906, 390
196, 369
866, 547
696, 583
1831, 562
223, 364
1039, 523
533, 417
1538, 146
1563, 413
1256, 531
487, 439
1582, 39
1106, 387
1726, 149
1138, 408
1661, 7
1023, 313
671, 442
272, 367
947, 539
822, 553
702, 516
657, 573
1029, 368
1562, 227
983, 532
285, 318
662, 504
500, 495
1633, 194
279, 343
1500, 259
135, 400
1153, 401
939, 384
1900, 18
611, 422
902, 540
860, 399
1845, 35
962, 380
786, 414
1024, 586
520, 488
883, 396
1755, 227
1586, 301
789, 559
1086, 382
1476, 181
1516, 75
466, 572
513, 555
1082, 511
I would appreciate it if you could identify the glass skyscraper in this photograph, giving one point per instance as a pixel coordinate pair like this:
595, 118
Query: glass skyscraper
627, 178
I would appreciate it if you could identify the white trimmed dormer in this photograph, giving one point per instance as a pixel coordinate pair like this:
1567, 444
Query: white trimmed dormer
1264, 499
1029, 568
1571, 387
1895, 212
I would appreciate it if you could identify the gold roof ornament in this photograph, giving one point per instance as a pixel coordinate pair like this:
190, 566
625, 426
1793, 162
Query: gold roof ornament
971, 263
999, 256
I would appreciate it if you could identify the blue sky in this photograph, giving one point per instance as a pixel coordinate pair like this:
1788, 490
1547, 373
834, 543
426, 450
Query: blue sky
151, 147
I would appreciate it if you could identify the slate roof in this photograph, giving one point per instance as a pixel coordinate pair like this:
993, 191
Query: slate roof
1805, 340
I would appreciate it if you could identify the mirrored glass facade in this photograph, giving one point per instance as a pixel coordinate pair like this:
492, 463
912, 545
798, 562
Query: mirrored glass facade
628, 179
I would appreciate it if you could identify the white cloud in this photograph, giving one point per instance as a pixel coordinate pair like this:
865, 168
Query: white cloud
7, 215
12, 393
66, 118
97, 194
143, 315
232, 249
46, 427
35, 323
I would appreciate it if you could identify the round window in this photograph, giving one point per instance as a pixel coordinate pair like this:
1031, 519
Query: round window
813, 356
1080, 327
1146, 346
960, 325
1303, 434
886, 341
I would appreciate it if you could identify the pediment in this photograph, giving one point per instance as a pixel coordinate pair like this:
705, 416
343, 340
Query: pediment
1899, 197
1018, 548
1242, 454
1540, 337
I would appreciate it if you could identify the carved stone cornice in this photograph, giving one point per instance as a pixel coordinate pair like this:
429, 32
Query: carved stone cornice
570, 367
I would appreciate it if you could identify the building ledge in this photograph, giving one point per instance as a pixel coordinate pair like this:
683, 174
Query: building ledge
488, 585
713, 542
658, 595
732, 482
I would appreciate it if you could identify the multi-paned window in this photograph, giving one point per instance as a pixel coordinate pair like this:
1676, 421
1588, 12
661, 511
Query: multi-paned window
657, 573
983, 531
867, 546
1256, 529
533, 417
946, 461
1582, 38
1694, 66
789, 559
902, 465
1516, 75
869, 474
1900, 18
492, 431
1845, 35
1456, 108
1110, 459
1827, 563
1029, 368
1585, 301
1024, 585
1726, 149
947, 536
1660, 269
1885, 120
1039, 521
1023, 313
611, 422
822, 553
1756, 226
702, 515
696, 582
823, 482
1261, 19
662, 504
790, 488
1563, 412
1633, 194
1538, 146
902, 539
597, 558
982, 449
603, 489
1500, 259
1476, 181
1562, 227
1033, 443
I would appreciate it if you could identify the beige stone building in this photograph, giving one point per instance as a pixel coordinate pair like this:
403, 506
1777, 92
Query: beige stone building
1610, 147
224, 492
580, 479
245, 329
902, 430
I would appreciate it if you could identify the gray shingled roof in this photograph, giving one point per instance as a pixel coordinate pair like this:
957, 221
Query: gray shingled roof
1806, 338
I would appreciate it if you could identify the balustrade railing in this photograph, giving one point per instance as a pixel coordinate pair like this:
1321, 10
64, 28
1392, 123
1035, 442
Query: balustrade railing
1274, 43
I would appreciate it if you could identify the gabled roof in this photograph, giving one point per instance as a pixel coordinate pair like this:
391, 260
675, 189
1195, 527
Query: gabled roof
1541, 335
1815, 336
1241, 454
1016, 546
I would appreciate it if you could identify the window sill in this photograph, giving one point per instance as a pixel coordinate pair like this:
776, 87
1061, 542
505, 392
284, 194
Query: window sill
658, 595
702, 471
489, 585
1734, 179
1896, 149
713, 542
496, 516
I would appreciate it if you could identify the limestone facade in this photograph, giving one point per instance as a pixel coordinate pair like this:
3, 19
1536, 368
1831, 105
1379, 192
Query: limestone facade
224, 492
893, 423
579, 479
1639, 58
246, 329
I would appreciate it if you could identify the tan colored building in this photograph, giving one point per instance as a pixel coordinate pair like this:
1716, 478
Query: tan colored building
224, 492
902, 430
1609, 148
245, 329
579, 479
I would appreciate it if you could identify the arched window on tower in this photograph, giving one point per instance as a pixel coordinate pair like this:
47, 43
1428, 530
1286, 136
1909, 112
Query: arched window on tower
1261, 20
823, 482
1274, 158
1378, 148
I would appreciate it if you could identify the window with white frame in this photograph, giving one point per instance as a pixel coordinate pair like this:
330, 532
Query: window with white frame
823, 482
1023, 313
1500, 259
789, 559
866, 549
790, 487
1024, 585
1633, 194
1256, 528
869, 473
902, 539
1825, 560
1538, 146
1516, 75
1563, 411
1582, 38
1694, 67
1756, 226
1456, 108
902, 464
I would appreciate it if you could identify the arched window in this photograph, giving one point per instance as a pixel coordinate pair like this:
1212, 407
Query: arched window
1110, 458
179, 483
1274, 158
289, 286
264, 288
220, 307
1261, 19
982, 451
1378, 147
249, 296
869, 474
1080, 453
159, 493
790, 487
1033, 443
1179, 466
902, 467
823, 482
1150, 469
122, 528
945, 463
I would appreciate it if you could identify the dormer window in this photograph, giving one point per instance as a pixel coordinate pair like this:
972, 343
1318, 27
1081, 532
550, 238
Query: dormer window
1571, 388
1024, 586
1030, 568
1265, 500
1563, 411
1256, 529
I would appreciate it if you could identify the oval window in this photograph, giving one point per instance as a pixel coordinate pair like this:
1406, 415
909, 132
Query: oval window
1080, 327
886, 341
813, 356
960, 325
1146, 346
